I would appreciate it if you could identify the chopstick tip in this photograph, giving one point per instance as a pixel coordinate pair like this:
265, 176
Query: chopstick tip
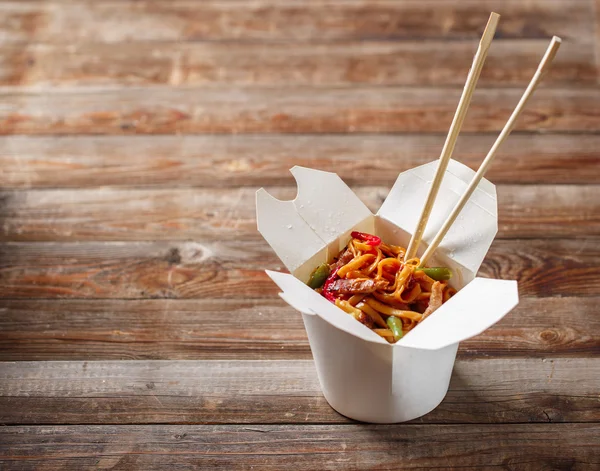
493, 19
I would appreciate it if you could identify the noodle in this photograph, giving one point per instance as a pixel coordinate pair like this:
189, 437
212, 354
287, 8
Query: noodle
355, 274
425, 282
387, 262
375, 264
390, 311
373, 313
355, 264
385, 333
410, 296
448, 293
355, 299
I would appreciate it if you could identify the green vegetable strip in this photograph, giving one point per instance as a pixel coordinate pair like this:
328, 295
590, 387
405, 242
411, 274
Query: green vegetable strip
395, 326
318, 277
438, 273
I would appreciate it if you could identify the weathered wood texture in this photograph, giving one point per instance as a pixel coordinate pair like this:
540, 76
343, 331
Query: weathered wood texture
124, 21
431, 63
129, 392
235, 161
121, 247
235, 269
298, 110
215, 214
302, 447
254, 329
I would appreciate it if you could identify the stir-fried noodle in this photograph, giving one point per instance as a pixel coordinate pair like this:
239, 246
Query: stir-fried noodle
371, 281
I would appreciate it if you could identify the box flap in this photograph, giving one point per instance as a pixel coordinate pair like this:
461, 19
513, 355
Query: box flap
469, 239
324, 209
292, 239
326, 203
304, 299
479, 305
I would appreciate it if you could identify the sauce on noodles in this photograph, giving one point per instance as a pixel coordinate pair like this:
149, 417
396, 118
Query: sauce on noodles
371, 281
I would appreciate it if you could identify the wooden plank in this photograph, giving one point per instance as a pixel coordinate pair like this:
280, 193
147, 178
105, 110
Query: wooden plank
282, 110
596, 6
221, 392
234, 269
253, 330
218, 214
413, 63
301, 447
147, 20
233, 161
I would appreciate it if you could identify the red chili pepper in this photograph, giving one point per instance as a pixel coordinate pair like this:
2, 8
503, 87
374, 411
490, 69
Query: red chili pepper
368, 239
327, 286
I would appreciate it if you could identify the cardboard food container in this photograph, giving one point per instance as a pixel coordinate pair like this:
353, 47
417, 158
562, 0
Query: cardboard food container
363, 376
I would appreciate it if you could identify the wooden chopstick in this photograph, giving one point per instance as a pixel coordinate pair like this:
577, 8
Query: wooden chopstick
508, 127
455, 127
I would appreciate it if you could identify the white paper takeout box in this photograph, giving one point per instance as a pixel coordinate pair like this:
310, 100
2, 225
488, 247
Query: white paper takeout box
363, 376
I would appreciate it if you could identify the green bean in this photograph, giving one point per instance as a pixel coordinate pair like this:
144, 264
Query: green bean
395, 326
437, 273
318, 277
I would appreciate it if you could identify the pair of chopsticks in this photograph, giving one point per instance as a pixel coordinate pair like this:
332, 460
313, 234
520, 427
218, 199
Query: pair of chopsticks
452, 137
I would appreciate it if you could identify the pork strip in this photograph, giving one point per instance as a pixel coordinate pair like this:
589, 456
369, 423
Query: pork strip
436, 299
357, 286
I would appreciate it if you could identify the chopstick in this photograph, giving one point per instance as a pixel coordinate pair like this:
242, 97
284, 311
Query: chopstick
508, 127
455, 127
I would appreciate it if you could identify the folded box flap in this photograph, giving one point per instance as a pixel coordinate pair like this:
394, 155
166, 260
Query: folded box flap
324, 209
292, 239
479, 305
293, 292
326, 203
470, 237
304, 299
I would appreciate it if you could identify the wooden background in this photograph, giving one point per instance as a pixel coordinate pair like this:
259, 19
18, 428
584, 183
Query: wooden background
137, 327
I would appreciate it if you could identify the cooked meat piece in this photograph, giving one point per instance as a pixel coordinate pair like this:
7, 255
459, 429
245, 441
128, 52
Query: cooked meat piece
357, 286
435, 301
342, 260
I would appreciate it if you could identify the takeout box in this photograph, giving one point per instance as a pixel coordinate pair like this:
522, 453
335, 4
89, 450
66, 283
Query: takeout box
363, 376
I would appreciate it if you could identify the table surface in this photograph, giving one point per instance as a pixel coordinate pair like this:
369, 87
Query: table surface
138, 329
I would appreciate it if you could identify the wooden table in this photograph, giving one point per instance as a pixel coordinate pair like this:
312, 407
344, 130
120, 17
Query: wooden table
138, 329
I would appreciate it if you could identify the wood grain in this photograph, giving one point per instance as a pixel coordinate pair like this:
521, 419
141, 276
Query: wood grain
254, 330
148, 20
239, 161
235, 269
412, 63
249, 392
133, 134
596, 7
229, 214
302, 447
299, 110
